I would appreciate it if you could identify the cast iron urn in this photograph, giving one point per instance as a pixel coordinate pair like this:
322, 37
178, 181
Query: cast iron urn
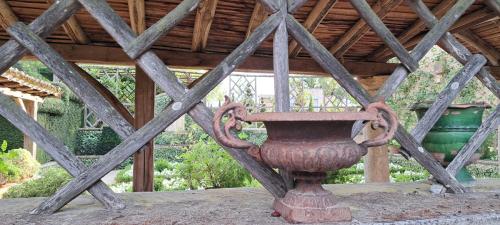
307, 144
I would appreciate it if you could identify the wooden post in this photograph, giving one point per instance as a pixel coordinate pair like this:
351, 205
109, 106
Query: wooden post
31, 110
377, 159
144, 112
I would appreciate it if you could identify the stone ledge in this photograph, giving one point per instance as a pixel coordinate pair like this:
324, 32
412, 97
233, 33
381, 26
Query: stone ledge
370, 204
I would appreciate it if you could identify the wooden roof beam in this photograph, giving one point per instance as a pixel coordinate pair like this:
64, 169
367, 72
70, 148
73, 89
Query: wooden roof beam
358, 30
203, 22
137, 14
7, 16
259, 14
312, 22
415, 29
494, 5
485, 48
73, 29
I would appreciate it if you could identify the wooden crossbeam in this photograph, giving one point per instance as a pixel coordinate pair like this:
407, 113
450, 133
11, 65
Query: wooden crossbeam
339, 73
314, 19
203, 22
454, 47
469, 37
73, 29
55, 149
494, 5
167, 81
147, 38
446, 97
431, 38
475, 141
259, 14
385, 34
207, 61
271, 5
413, 30
358, 30
294, 5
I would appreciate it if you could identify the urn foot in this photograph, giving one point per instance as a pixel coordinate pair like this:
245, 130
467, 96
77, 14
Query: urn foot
310, 203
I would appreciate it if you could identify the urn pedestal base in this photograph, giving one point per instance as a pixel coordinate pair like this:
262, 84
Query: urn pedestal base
310, 203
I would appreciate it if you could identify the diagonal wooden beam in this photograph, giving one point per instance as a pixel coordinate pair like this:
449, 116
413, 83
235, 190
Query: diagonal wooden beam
259, 14
74, 30
494, 5
366, 12
294, 5
153, 66
358, 30
312, 22
469, 37
203, 22
415, 29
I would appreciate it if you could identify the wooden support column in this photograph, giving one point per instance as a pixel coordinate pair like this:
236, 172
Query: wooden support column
281, 75
377, 159
32, 111
144, 112
144, 108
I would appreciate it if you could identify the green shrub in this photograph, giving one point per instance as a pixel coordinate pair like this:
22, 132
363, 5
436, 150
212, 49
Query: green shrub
52, 106
11, 134
158, 184
17, 164
162, 164
124, 175
171, 154
109, 140
51, 179
88, 141
207, 165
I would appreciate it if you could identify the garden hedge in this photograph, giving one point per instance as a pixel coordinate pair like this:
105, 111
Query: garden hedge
96, 141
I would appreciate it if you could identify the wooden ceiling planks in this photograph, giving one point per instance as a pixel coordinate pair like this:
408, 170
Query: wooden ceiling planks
232, 21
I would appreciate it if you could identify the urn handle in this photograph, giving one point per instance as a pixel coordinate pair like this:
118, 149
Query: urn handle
389, 128
236, 113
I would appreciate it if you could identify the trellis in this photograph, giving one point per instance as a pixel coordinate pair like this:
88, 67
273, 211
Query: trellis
29, 38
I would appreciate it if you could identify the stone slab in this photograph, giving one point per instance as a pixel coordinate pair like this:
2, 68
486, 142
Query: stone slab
402, 204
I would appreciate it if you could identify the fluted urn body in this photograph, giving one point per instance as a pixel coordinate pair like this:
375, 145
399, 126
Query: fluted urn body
307, 145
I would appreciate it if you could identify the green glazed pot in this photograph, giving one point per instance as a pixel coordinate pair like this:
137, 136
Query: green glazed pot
451, 132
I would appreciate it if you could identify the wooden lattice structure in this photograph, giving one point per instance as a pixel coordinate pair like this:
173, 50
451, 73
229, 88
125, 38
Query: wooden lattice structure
285, 19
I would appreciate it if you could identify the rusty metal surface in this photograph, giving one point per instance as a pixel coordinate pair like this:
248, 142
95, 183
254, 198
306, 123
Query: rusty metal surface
308, 145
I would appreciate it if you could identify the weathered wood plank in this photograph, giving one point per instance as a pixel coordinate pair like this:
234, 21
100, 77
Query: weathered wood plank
271, 5
455, 48
482, 46
412, 31
494, 5
314, 19
166, 79
446, 97
468, 150
358, 30
294, 5
145, 93
71, 77
207, 61
202, 24
330, 64
56, 149
424, 46
259, 14
42, 26
281, 74
384, 33
147, 38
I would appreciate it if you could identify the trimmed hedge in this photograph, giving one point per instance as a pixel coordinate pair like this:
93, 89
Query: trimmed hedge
11, 134
96, 141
